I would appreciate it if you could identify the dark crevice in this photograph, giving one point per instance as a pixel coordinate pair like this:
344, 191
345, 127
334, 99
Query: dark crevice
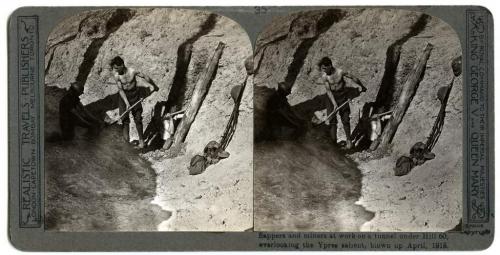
323, 24
275, 40
259, 61
261, 44
65, 40
119, 17
386, 94
52, 48
49, 62
177, 92
70, 37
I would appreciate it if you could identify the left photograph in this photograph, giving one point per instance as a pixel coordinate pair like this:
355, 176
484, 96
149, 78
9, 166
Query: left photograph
148, 122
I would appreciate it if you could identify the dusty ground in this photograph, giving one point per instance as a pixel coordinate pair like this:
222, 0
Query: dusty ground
219, 199
430, 197
306, 185
148, 39
98, 184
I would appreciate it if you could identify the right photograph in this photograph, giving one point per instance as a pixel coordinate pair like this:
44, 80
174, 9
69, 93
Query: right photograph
358, 122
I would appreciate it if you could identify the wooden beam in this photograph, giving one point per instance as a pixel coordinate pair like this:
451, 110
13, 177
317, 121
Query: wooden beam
198, 96
409, 88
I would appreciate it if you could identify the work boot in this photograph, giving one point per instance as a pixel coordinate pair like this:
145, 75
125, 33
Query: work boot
141, 144
125, 131
348, 144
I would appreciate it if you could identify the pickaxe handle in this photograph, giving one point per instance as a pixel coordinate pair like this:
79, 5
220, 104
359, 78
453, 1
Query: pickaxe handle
335, 111
127, 111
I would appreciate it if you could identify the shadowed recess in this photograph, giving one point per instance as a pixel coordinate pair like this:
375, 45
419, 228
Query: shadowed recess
323, 24
119, 17
179, 84
386, 92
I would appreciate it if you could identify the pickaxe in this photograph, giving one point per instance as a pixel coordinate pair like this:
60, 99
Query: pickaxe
335, 111
127, 111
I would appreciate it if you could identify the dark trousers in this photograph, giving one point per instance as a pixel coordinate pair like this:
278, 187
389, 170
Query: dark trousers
136, 112
132, 97
344, 112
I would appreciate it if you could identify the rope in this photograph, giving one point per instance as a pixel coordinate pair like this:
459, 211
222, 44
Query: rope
233, 119
439, 123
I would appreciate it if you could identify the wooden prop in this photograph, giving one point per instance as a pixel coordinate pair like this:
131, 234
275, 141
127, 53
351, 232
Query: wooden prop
199, 94
409, 88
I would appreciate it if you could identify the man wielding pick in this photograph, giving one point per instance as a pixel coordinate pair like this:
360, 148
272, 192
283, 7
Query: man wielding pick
126, 81
334, 81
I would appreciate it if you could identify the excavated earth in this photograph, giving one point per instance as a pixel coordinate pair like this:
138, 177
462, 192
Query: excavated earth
105, 184
357, 40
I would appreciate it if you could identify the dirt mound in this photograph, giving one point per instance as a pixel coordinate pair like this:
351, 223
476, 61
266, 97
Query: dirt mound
98, 184
306, 185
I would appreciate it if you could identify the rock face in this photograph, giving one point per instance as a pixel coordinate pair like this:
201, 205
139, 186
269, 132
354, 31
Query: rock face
172, 46
363, 42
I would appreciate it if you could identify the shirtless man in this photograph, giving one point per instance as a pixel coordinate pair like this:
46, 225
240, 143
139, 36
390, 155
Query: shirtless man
126, 81
334, 81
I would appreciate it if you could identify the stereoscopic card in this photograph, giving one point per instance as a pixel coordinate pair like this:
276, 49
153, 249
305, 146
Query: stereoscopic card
251, 128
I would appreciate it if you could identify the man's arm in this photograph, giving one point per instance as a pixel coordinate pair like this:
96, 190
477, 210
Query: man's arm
330, 96
356, 80
148, 80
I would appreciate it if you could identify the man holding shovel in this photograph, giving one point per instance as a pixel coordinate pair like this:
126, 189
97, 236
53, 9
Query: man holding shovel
129, 95
338, 97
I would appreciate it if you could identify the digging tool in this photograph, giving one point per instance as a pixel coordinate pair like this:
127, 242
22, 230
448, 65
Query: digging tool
127, 111
378, 115
335, 111
172, 114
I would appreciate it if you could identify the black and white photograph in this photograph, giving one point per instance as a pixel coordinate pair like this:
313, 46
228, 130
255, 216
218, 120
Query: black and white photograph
316, 127
358, 122
148, 122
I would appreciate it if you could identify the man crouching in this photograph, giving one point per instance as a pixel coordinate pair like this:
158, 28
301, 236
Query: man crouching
73, 114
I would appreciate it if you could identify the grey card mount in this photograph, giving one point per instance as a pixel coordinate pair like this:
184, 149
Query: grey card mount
251, 128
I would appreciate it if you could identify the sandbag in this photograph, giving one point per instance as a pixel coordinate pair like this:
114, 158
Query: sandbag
420, 153
403, 166
197, 165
